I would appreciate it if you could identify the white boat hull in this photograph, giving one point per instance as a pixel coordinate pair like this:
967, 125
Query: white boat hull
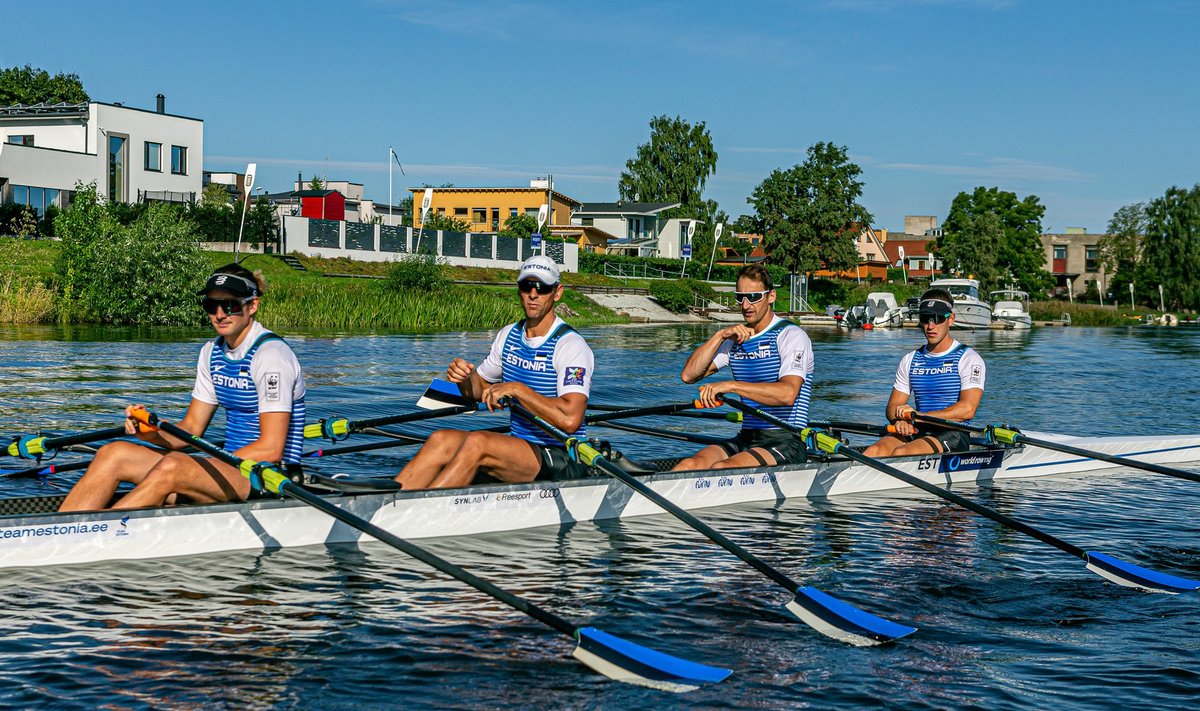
58, 539
970, 314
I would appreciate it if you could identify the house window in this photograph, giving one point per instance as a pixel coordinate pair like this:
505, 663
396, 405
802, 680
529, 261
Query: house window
512, 212
587, 221
1091, 258
179, 160
1060, 251
460, 212
154, 157
36, 198
479, 215
25, 140
495, 218
531, 211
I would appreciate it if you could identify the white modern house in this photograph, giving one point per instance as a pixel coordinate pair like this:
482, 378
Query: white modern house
640, 228
132, 154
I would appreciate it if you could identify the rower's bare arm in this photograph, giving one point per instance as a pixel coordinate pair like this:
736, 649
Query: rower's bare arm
964, 409
463, 373
199, 414
699, 364
272, 438
565, 412
778, 393
897, 403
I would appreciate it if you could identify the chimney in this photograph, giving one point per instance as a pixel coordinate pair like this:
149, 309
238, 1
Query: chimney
161, 104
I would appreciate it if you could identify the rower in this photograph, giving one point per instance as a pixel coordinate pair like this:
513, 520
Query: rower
541, 362
946, 379
772, 364
246, 369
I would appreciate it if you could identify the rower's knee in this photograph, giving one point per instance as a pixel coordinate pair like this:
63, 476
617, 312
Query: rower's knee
170, 473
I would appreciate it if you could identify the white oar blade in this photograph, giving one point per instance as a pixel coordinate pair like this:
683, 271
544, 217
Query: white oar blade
624, 661
842, 621
441, 394
1135, 576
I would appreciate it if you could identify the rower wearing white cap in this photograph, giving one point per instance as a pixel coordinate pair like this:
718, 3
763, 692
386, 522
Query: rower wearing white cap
945, 378
543, 363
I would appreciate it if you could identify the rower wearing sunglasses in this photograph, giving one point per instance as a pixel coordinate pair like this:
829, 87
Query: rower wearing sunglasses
543, 363
944, 377
246, 369
771, 360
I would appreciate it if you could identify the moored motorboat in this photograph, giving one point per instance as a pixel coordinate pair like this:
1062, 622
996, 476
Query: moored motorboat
33, 534
1011, 307
970, 311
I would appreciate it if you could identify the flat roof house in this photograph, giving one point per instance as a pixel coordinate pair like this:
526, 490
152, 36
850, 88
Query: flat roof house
132, 155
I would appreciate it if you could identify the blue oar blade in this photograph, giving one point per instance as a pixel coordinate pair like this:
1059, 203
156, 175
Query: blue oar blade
1135, 576
842, 621
622, 660
442, 393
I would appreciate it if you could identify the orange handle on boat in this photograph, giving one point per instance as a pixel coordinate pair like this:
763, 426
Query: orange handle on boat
143, 418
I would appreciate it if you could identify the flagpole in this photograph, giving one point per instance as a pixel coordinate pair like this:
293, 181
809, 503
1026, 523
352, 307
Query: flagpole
389, 162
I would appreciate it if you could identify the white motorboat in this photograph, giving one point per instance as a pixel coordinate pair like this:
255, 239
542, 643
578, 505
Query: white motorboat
970, 311
1011, 307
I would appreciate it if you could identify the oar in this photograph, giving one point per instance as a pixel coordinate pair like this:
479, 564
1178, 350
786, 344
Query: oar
666, 434
607, 654
34, 446
635, 411
339, 427
1102, 564
1014, 436
43, 471
822, 612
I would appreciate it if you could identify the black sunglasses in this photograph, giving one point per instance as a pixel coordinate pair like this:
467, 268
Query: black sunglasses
231, 307
752, 297
535, 285
936, 318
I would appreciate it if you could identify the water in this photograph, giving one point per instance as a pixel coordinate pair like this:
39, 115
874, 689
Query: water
1005, 622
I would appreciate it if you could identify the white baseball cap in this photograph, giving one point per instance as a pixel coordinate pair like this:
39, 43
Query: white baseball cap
541, 268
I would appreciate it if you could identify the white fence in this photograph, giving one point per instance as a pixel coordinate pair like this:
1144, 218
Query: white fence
381, 243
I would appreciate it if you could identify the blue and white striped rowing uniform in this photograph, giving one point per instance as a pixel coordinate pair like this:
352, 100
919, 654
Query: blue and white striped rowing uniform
262, 375
552, 366
937, 379
783, 348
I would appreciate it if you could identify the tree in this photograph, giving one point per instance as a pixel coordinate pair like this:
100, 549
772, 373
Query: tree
439, 221
1020, 256
28, 85
1121, 247
216, 195
261, 225
519, 226
673, 167
809, 214
1171, 249
316, 184
973, 247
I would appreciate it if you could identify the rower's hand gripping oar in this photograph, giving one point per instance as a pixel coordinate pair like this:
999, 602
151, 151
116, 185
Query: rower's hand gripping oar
612, 656
1104, 565
1007, 435
824, 613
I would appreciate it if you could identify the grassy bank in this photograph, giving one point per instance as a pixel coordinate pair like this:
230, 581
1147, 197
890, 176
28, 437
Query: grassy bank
1087, 314
297, 299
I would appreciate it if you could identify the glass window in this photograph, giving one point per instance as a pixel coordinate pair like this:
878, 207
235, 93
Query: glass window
512, 212
116, 168
20, 194
460, 212
531, 211
479, 215
587, 221
26, 140
51, 197
1060, 251
1092, 258
179, 160
154, 156
37, 198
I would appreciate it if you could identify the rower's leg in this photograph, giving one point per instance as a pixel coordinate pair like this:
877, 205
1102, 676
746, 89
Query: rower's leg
434, 455
704, 459
921, 445
197, 479
885, 447
114, 463
504, 457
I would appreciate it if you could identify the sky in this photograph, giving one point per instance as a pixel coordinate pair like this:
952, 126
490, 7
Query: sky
1090, 105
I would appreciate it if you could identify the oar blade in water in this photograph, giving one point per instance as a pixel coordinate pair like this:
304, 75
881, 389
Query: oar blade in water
1135, 576
842, 621
622, 660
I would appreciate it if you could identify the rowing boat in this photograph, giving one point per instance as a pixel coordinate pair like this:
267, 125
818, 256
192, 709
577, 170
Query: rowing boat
32, 534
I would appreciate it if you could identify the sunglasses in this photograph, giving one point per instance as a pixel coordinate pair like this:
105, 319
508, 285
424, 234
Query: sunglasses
750, 297
231, 307
935, 318
535, 285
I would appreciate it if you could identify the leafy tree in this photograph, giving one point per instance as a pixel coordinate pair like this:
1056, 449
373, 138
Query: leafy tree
440, 221
216, 195
673, 167
404, 209
1171, 249
261, 225
1020, 254
316, 184
972, 248
1121, 247
810, 214
28, 85
519, 226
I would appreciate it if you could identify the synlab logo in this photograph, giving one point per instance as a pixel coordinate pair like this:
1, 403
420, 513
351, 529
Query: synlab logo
124, 529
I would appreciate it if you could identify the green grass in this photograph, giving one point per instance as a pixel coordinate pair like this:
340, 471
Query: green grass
1087, 314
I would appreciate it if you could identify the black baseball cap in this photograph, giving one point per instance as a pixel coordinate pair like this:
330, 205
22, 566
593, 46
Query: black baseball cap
935, 307
237, 286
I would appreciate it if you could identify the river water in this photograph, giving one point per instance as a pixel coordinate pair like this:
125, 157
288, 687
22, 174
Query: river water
1005, 622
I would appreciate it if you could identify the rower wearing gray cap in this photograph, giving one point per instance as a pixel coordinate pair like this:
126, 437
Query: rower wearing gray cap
944, 377
543, 363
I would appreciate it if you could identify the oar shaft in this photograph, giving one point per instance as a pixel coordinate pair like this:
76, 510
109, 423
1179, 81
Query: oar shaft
666, 434
83, 438
641, 411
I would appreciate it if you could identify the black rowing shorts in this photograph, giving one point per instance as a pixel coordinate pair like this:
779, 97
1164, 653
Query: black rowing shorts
951, 440
785, 447
556, 465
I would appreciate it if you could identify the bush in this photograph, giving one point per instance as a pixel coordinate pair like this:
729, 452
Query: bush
420, 272
592, 263
146, 272
18, 220
674, 295
700, 288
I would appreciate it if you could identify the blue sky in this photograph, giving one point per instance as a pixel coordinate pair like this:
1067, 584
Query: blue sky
1089, 105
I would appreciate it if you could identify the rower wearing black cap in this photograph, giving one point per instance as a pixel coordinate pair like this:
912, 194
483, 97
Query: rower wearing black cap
247, 370
946, 379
